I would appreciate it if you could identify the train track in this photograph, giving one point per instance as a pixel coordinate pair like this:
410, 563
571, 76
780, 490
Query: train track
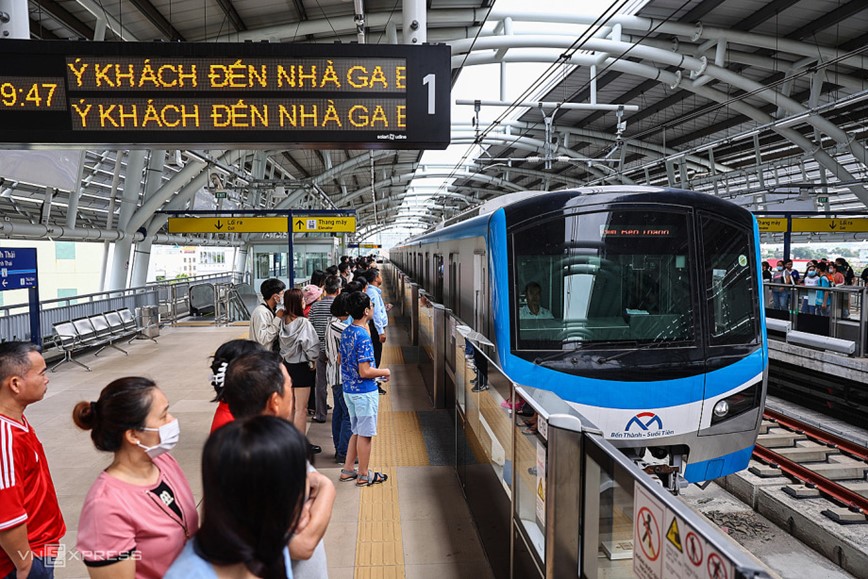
826, 464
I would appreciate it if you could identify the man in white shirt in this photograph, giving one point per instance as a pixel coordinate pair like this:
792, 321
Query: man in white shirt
532, 310
267, 318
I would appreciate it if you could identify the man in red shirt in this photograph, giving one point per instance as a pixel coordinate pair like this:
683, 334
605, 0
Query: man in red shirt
31, 524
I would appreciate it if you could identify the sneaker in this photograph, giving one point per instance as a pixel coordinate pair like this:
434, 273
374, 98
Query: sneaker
340, 458
479, 388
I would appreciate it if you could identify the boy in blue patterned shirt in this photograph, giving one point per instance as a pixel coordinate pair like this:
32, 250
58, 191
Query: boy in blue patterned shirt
358, 371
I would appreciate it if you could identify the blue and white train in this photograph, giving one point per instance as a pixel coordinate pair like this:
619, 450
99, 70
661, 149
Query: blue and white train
648, 320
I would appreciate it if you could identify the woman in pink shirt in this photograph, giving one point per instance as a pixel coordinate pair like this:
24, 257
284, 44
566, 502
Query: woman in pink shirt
140, 511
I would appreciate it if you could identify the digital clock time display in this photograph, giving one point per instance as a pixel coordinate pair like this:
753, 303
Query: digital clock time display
32, 93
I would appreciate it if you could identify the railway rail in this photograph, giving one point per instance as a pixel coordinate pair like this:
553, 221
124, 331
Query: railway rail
812, 456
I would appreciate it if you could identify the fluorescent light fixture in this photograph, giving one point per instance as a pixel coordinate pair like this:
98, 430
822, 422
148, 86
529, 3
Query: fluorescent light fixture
790, 121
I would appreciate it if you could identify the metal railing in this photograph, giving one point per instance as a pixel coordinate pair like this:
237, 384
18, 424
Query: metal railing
834, 312
170, 296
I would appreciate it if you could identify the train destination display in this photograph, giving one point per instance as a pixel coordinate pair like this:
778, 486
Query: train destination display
256, 95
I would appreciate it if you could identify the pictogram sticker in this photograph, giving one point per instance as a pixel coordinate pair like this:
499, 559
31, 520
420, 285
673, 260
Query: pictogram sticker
693, 545
716, 567
649, 533
673, 535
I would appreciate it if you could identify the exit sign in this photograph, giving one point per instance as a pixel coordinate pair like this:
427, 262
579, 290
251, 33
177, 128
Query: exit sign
220, 195
822, 199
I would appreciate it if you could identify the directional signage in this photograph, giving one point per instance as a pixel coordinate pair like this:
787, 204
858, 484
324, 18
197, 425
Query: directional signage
364, 246
17, 268
323, 224
772, 224
813, 225
227, 225
826, 225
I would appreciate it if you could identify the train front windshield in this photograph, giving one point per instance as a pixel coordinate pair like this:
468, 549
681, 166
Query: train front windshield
623, 277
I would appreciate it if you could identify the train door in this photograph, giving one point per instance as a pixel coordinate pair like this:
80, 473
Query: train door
479, 293
438, 278
452, 301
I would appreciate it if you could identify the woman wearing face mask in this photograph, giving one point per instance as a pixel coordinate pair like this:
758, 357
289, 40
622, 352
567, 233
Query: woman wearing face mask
140, 511
809, 305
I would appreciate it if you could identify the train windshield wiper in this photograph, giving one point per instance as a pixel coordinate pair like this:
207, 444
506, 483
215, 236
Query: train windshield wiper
648, 346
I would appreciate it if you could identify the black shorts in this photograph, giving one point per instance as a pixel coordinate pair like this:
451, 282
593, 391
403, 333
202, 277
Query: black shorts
302, 375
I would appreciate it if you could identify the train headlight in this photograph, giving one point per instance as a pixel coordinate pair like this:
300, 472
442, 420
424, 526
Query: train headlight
738, 403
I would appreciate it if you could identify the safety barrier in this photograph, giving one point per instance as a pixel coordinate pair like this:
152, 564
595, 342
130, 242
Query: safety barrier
829, 313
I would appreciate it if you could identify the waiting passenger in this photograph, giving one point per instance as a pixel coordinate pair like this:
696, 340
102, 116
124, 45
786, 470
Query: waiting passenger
812, 280
140, 511
299, 348
266, 319
532, 310
341, 429
358, 371
258, 384
31, 524
222, 357
245, 533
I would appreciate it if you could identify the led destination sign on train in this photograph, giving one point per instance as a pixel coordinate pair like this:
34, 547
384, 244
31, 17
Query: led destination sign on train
146, 94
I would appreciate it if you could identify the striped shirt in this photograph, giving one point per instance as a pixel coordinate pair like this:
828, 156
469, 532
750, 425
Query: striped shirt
320, 315
27, 492
333, 348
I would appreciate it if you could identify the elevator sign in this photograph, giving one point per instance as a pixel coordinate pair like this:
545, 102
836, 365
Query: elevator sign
17, 268
323, 224
221, 95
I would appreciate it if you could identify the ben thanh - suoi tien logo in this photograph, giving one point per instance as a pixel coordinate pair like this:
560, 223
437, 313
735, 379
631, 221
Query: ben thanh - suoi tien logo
643, 425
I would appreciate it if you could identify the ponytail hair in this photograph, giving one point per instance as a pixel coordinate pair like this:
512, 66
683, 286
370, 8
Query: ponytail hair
223, 356
122, 405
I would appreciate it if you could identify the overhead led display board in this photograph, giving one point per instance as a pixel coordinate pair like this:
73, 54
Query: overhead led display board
255, 95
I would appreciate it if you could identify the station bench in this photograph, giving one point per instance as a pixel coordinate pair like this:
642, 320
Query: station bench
97, 331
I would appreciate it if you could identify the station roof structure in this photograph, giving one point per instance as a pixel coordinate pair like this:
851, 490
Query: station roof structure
764, 103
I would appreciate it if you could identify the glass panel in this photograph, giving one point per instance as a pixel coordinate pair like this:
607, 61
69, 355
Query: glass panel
729, 283
489, 416
604, 277
608, 526
530, 465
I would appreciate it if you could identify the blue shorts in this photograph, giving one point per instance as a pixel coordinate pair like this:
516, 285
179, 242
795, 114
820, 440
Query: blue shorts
363, 410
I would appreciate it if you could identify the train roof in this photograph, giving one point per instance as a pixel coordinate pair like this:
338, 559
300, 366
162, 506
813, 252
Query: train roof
523, 205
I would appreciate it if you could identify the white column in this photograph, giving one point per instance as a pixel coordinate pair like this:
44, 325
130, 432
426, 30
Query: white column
14, 19
415, 22
129, 200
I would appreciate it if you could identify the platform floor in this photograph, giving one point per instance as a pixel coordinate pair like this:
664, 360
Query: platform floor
416, 525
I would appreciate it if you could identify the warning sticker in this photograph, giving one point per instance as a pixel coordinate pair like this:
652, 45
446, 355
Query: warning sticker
673, 536
667, 546
647, 535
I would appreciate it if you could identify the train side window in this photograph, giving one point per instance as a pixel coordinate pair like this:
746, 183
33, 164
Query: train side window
729, 282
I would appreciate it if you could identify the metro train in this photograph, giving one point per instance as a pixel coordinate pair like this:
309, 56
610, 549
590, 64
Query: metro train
640, 306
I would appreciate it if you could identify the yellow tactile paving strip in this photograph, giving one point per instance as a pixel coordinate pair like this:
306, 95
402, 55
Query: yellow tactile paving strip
399, 442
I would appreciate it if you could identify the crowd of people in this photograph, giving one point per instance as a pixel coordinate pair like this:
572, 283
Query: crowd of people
818, 274
265, 507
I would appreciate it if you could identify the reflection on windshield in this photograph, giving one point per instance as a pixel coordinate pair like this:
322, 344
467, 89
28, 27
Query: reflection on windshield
612, 276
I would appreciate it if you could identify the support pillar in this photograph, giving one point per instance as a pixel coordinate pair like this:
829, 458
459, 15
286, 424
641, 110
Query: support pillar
132, 186
14, 19
415, 22
142, 253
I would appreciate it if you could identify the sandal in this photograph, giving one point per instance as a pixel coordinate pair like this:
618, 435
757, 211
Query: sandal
372, 478
348, 475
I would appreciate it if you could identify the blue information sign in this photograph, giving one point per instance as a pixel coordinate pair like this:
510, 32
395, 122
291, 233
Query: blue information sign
17, 268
